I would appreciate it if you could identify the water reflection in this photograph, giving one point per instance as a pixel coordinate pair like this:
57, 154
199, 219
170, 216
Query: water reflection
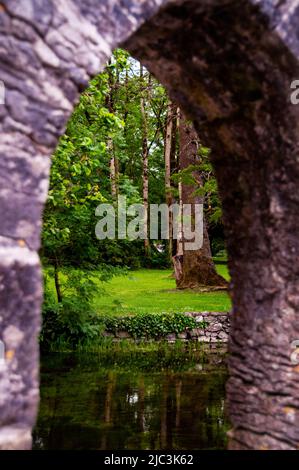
89, 404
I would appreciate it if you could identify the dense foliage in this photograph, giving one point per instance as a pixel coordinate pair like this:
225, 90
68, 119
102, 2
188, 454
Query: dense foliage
109, 110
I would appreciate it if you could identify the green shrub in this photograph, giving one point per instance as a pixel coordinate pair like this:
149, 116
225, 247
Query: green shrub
72, 321
68, 324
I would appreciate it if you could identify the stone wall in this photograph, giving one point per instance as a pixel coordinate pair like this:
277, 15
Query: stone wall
213, 328
216, 327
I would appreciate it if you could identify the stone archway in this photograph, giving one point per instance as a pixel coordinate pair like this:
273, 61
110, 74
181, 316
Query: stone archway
229, 64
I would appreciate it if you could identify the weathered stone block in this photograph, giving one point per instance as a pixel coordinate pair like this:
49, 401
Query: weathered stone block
183, 335
171, 338
214, 327
223, 336
203, 339
123, 335
199, 318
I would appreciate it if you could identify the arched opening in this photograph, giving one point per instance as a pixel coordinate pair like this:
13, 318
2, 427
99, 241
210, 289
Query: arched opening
99, 389
230, 73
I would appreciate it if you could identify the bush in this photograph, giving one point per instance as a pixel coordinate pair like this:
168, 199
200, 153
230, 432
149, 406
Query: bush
72, 321
68, 324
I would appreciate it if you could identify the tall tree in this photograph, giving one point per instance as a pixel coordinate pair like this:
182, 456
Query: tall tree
170, 163
193, 268
113, 79
145, 173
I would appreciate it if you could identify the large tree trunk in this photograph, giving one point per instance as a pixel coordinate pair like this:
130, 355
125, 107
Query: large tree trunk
193, 268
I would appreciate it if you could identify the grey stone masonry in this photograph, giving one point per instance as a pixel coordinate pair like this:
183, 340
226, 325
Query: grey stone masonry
215, 329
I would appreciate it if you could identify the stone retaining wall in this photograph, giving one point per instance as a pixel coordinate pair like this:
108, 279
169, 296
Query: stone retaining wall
216, 329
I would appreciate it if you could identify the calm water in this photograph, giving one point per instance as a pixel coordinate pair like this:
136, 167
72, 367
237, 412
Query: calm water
145, 401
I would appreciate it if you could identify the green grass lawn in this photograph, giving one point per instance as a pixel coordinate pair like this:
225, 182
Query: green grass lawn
153, 291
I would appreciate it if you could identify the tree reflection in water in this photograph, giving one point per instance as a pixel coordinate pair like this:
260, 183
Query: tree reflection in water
88, 402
